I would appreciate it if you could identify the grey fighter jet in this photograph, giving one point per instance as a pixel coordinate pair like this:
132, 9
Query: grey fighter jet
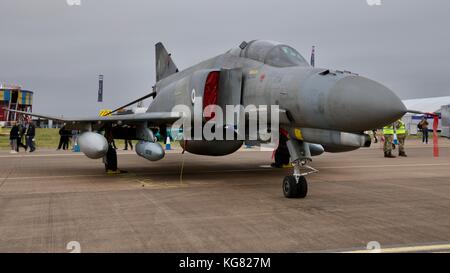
320, 110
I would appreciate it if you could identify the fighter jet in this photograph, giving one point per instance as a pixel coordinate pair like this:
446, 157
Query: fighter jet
319, 109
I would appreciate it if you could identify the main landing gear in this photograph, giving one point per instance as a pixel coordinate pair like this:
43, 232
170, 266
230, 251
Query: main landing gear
110, 161
296, 186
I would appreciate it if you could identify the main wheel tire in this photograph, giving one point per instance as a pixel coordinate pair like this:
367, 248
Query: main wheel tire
302, 187
292, 189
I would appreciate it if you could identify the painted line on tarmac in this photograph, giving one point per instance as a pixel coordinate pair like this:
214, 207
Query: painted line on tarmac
261, 168
125, 175
408, 249
370, 166
384, 166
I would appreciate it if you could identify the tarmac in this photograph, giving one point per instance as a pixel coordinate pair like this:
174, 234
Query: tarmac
51, 200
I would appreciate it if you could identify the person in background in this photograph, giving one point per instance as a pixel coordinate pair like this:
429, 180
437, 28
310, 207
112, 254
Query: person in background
375, 139
20, 139
113, 144
401, 136
388, 132
68, 139
63, 139
128, 142
74, 138
423, 126
30, 134
14, 138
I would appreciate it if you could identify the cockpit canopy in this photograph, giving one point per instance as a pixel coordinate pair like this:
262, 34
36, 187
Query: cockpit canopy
271, 53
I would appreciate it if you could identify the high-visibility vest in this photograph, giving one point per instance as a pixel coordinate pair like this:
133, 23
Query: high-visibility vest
388, 130
402, 128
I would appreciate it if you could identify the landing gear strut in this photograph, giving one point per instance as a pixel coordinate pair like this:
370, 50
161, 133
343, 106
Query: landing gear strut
296, 186
110, 160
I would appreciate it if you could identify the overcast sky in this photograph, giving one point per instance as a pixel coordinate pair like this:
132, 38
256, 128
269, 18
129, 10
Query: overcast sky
58, 50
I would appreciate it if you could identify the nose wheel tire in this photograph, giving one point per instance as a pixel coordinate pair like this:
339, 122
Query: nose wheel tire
294, 189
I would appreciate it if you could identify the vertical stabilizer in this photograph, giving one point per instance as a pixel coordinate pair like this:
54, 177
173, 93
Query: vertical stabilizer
164, 63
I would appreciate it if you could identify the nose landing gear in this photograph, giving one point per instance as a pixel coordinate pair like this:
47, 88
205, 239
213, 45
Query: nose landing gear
296, 186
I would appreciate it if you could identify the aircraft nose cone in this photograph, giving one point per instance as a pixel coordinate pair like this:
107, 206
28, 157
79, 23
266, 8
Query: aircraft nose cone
357, 104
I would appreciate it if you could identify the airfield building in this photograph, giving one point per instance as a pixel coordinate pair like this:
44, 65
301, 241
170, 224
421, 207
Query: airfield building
438, 105
13, 97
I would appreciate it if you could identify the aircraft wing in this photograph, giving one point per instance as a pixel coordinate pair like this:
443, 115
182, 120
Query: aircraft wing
75, 123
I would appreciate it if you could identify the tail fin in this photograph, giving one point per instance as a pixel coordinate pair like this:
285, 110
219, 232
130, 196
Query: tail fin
164, 64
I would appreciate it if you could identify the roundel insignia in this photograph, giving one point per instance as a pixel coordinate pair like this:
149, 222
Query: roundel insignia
193, 96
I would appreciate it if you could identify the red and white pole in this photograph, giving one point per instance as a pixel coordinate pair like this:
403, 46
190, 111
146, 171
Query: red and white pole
435, 136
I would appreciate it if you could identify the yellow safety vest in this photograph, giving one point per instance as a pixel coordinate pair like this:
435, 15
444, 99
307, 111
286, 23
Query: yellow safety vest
402, 129
388, 130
